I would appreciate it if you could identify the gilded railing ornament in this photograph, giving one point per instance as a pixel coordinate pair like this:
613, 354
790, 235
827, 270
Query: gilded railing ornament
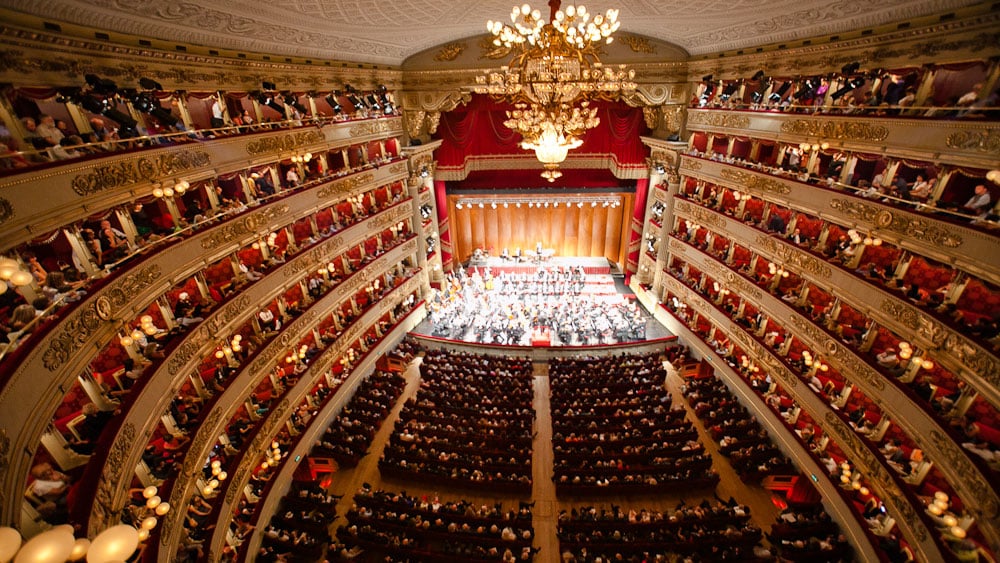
286, 142
700, 214
263, 436
719, 119
755, 182
144, 169
414, 122
913, 227
793, 256
76, 330
987, 141
450, 52
691, 164
852, 366
249, 224
206, 332
6, 211
836, 129
986, 496
878, 476
651, 115
340, 187
374, 127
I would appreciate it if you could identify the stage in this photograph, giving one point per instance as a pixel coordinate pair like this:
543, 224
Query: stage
559, 302
530, 264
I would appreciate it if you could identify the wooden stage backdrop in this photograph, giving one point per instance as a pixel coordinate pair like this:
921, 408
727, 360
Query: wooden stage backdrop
568, 229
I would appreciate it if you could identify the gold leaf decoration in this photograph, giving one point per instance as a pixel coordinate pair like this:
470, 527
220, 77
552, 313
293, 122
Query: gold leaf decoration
450, 52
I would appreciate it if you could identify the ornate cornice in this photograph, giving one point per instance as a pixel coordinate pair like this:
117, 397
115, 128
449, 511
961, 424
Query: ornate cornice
792, 256
982, 141
841, 130
719, 119
133, 171
287, 142
755, 182
76, 330
883, 218
341, 187
699, 214
244, 226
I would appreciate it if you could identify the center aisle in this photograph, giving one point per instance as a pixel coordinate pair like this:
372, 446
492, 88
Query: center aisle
346, 483
543, 490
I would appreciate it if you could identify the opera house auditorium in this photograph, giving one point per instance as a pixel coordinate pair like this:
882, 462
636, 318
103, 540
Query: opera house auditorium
461, 282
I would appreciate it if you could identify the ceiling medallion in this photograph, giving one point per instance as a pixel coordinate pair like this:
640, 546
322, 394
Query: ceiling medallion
554, 75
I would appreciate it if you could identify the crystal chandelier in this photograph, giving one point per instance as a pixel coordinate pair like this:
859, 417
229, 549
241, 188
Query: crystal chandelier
554, 74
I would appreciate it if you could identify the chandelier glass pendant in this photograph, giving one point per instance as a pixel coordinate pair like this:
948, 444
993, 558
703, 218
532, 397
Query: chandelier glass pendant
553, 76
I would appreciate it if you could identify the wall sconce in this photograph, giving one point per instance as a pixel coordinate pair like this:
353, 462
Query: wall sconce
777, 271
302, 159
11, 270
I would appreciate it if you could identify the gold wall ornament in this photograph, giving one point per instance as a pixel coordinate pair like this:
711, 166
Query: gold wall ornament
414, 122
6, 211
341, 187
433, 119
489, 50
902, 313
286, 142
987, 141
958, 460
848, 362
793, 257
243, 226
73, 333
450, 52
719, 119
700, 214
651, 114
144, 169
864, 458
206, 332
691, 164
755, 182
375, 127
673, 116
836, 129
913, 227
638, 44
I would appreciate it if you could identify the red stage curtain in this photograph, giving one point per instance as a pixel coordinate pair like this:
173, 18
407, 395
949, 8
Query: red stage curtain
477, 128
441, 199
638, 214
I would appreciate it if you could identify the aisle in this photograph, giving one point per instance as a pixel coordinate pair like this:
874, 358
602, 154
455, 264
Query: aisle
348, 482
543, 490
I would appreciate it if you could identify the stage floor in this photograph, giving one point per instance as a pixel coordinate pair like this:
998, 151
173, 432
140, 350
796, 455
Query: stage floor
598, 282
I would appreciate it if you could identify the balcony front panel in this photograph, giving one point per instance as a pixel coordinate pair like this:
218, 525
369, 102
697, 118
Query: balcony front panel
162, 387
43, 373
280, 416
883, 482
954, 463
976, 365
958, 142
40, 201
946, 242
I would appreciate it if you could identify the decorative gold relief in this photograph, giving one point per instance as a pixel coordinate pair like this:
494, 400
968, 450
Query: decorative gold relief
755, 182
913, 227
638, 44
127, 172
902, 313
830, 129
450, 52
433, 119
414, 122
242, 227
794, 257
719, 119
700, 214
651, 115
853, 367
691, 164
983, 141
374, 127
206, 332
77, 329
398, 168
286, 142
341, 187
488, 50
874, 469
985, 496
6, 211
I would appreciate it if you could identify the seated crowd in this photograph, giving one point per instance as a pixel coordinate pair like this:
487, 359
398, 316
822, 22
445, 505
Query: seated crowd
614, 429
709, 531
349, 435
470, 423
407, 528
740, 437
